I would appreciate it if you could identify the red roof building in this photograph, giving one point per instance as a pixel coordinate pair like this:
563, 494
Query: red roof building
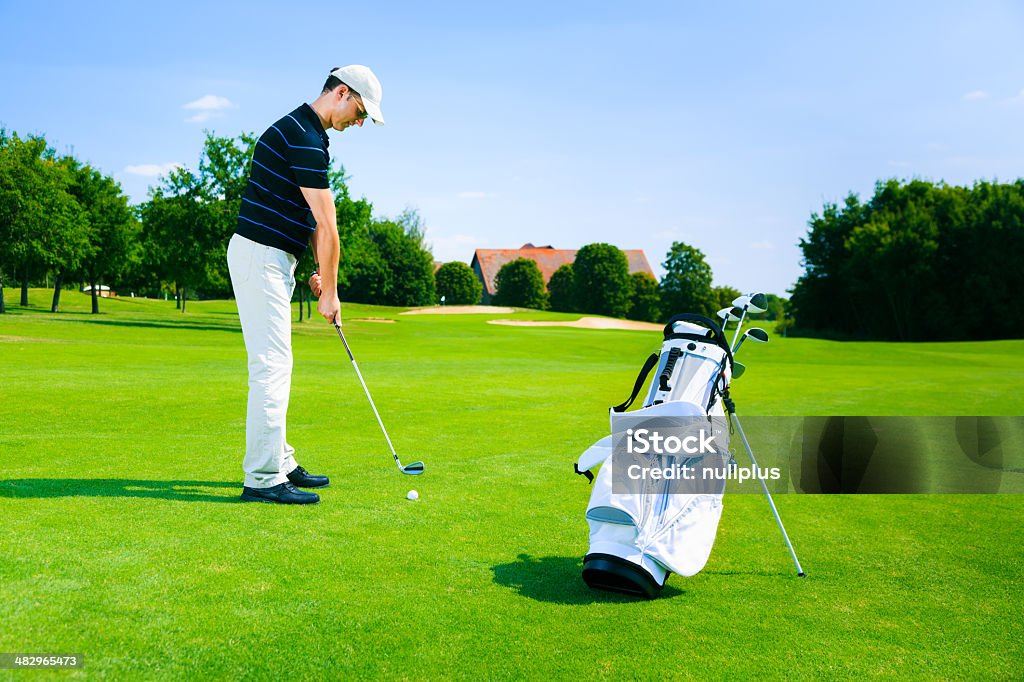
487, 262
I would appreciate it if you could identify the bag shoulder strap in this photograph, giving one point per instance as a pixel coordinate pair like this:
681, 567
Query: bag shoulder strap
649, 364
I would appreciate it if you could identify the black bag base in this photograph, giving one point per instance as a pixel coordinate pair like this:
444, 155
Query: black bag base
615, 574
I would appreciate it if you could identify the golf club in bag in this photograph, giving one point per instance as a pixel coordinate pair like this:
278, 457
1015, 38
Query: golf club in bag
413, 469
640, 536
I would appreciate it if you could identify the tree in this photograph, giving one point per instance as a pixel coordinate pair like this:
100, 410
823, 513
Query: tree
821, 299
562, 290
912, 258
458, 284
686, 286
368, 278
41, 225
359, 267
224, 174
889, 262
180, 231
61, 241
776, 308
646, 302
520, 284
601, 279
112, 230
390, 265
724, 296
410, 266
989, 249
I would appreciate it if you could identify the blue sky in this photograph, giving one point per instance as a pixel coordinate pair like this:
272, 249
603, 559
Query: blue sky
724, 125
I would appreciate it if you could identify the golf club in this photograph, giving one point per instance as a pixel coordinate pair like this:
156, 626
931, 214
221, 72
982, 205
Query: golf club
413, 469
755, 333
764, 487
728, 315
724, 314
757, 303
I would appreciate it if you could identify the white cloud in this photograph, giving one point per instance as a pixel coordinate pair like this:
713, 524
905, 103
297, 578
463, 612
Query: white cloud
975, 95
476, 195
762, 246
936, 147
209, 103
208, 106
151, 170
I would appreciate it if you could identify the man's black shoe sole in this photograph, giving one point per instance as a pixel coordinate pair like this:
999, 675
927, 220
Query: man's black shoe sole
256, 498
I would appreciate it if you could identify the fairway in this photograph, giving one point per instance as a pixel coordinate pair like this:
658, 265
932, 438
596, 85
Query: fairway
122, 538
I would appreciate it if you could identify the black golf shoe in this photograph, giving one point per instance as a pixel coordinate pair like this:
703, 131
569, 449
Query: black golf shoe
282, 493
304, 479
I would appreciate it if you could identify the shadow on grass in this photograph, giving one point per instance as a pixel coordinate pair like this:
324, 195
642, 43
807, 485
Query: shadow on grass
233, 328
559, 580
184, 491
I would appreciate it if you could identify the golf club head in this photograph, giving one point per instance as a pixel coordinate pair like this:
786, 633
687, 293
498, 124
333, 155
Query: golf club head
738, 368
755, 303
758, 303
413, 469
757, 334
728, 315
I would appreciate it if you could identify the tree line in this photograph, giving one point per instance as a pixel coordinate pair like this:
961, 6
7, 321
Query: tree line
60, 217
598, 282
919, 261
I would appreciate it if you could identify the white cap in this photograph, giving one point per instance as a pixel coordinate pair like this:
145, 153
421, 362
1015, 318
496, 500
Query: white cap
359, 78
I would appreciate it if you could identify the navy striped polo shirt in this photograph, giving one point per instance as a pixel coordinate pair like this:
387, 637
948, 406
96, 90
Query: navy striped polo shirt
291, 154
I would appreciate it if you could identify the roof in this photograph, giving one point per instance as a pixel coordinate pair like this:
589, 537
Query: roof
548, 259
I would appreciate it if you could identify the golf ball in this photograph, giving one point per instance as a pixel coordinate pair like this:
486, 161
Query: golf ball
412, 495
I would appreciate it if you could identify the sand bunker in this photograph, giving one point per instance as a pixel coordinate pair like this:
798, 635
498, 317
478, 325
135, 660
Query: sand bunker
460, 310
585, 323
369, 319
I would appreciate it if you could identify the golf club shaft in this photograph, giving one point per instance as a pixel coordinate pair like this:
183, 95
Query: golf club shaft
771, 503
368, 396
739, 325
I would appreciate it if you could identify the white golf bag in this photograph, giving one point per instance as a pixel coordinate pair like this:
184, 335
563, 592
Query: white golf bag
639, 536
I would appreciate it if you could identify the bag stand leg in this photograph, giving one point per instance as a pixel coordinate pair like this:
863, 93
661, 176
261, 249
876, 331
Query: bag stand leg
771, 503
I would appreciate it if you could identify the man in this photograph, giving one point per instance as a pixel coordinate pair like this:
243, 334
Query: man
287, 205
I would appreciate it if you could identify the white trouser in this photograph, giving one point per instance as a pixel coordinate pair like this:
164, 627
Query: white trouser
263, 279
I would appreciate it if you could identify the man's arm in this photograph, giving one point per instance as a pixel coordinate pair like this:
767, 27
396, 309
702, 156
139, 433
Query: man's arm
326, 250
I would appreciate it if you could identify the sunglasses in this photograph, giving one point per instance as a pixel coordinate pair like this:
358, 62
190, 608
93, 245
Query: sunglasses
361, 112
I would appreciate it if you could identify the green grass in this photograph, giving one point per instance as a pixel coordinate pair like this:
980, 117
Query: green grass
121, 438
